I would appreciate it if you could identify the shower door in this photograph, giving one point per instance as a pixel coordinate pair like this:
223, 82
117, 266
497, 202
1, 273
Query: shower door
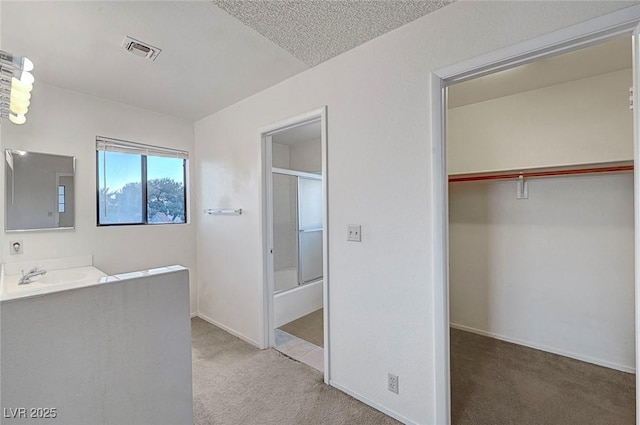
297, 228
309, 229
285, 231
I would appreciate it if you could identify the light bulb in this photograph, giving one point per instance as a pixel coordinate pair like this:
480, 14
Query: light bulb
27, 65
20, 86
17, 119
20, 96
18, 109
27, 78
23, 103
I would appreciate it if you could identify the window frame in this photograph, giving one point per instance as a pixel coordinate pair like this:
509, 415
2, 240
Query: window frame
144, 151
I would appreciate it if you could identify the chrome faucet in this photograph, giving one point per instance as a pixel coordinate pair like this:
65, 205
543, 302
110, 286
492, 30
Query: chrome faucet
26, 278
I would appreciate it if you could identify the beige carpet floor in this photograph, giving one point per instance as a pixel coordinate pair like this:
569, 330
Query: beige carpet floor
234, 383
495, 383
309, 327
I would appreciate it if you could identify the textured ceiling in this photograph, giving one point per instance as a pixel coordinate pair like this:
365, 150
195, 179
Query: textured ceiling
317, 30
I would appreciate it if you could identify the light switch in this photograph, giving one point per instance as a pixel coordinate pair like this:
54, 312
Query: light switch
354, 233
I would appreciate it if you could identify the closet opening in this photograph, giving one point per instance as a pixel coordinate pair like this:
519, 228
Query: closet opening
541, 241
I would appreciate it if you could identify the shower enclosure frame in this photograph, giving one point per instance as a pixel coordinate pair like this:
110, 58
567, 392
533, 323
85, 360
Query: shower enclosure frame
298, 175
265, 135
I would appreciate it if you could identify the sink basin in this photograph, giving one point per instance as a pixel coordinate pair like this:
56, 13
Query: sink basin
54, 280
62, 276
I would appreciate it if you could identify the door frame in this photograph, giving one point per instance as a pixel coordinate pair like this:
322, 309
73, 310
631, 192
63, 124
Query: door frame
600, 29
265, 133
56, 212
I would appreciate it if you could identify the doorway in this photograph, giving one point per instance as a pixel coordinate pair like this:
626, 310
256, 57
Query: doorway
65, 200
295, 235
582, 35
541, 260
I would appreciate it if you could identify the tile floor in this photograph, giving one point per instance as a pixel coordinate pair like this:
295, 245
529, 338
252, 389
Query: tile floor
299, 349
309, 327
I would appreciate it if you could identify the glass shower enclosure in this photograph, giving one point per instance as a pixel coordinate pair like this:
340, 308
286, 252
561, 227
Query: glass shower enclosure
297, 229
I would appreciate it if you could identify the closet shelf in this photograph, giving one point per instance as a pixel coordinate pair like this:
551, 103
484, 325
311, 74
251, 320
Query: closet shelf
610, 167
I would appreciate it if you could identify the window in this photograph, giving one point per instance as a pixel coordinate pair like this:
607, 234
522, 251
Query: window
61, 198
140, 184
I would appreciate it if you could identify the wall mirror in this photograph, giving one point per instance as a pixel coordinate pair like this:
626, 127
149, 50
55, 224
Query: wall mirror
39, 191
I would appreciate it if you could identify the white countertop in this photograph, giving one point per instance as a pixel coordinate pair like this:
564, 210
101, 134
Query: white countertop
63, 274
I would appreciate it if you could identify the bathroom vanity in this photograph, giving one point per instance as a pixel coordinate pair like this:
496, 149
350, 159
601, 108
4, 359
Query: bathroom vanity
80, 347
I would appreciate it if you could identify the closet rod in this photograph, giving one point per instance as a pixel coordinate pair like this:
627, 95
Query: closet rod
529, 174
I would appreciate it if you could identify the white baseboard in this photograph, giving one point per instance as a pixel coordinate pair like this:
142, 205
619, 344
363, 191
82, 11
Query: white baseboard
580, 357
228, 329
373, 404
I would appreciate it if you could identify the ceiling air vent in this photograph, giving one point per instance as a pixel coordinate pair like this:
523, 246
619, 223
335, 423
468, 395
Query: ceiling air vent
139, 48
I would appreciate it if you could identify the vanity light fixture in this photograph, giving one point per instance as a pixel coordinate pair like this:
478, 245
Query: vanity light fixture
16, 83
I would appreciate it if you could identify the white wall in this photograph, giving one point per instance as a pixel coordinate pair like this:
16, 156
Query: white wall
555, 271
307, 156
281, 156
583, 121
381, 290
67, 123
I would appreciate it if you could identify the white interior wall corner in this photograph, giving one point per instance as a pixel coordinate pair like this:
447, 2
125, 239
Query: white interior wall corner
307, 156
381, 288
578, 122
115, 249
553, 272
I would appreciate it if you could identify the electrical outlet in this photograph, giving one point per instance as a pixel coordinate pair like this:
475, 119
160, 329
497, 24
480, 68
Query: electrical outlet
393, 383
354, 233
15, 247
